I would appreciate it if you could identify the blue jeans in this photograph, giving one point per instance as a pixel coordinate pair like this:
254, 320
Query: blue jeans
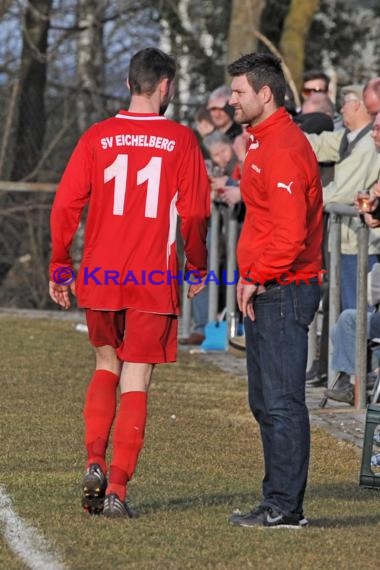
200, 303
343, 335
200, 311
349, 265
276, 361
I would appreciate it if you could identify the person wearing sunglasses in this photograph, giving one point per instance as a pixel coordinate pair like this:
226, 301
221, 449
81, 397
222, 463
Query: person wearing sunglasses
314, 81
317, 82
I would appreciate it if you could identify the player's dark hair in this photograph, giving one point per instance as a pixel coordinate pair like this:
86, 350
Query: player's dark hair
261, 69
147, 68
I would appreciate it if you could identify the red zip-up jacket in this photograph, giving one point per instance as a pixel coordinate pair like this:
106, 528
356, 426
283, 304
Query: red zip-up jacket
282, 232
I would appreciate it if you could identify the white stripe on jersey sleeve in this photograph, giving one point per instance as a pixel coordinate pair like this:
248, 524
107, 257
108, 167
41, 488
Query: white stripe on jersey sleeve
173, 216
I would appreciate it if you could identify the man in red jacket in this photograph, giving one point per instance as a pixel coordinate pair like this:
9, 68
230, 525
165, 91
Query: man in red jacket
136, 171
279, 256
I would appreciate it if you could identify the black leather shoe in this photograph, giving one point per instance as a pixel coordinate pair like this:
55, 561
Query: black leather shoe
317, 381
194, 339
312, 373
346, 396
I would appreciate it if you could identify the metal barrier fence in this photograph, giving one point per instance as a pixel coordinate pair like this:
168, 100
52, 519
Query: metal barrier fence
219, 213
231, 227
336, 212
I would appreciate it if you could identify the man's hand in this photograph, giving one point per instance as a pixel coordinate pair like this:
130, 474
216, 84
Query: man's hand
245, 294
231, 195
60, 293
196, 288
374, 195
371, 222
374, 191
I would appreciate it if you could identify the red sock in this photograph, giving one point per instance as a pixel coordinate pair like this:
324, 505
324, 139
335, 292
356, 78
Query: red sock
128, 440
99, 412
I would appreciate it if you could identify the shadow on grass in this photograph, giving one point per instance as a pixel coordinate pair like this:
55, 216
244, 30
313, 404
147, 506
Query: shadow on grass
345, 522
183, 503
342, 491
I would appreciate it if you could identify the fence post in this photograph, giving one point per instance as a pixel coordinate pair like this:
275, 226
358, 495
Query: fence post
214, 263
361, 319
334, 283
232, 233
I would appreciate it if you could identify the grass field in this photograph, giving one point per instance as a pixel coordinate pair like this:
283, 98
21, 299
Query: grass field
193, 472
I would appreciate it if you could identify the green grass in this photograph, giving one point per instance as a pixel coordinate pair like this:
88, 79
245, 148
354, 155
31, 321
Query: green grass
193, 471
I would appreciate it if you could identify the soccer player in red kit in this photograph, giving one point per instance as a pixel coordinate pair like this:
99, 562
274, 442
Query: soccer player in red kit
136, 171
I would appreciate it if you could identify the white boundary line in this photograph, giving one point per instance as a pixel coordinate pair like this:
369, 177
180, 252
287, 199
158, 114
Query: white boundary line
24, 540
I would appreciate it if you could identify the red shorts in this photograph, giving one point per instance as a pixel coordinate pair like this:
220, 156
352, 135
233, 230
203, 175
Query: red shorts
136, 336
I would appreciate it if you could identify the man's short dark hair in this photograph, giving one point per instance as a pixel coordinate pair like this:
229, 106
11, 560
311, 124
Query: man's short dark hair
316, 74
147, 68
261, 69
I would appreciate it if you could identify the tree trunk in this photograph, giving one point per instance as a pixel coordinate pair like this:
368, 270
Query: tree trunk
31, 115
4, 7
245, 16
90, 62
296, 28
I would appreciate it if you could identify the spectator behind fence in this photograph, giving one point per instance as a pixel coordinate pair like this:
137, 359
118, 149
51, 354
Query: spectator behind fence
343, 333
134, 189
203, 121
199, 306
203, 126
316, 117
343, 337
225, 188
282, 233
318, 103
317, 375
222, 115
316, 81
316, 114
371, 96
357, 165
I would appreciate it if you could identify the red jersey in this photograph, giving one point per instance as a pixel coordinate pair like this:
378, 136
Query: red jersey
137, 171
281, 188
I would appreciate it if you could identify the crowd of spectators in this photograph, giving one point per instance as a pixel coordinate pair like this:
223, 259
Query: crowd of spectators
345, 136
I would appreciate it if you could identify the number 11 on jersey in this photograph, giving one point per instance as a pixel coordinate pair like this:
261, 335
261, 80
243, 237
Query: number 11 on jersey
151, 173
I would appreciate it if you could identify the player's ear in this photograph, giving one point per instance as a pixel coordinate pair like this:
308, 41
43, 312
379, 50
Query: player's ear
164, 85
266, 93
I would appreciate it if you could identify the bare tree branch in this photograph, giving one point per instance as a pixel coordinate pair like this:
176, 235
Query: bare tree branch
285, 68
53, 143
8, 125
